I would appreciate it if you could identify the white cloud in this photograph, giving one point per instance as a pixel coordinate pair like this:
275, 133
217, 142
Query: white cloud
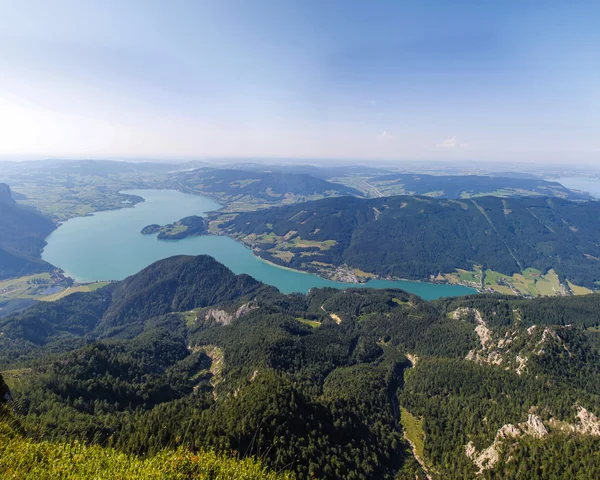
384, 136
448, 143
451, 142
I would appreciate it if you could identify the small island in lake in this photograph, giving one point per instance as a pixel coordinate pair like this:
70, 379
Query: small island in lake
186, 227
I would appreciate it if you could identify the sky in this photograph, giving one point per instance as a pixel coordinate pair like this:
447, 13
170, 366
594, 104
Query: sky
394, 80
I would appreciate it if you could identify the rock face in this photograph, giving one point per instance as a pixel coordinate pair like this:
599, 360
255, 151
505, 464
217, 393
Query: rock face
225, 318
219, 316
5, 195
489, 457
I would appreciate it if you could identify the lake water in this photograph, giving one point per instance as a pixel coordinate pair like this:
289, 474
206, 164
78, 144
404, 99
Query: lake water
591, 186
109, 246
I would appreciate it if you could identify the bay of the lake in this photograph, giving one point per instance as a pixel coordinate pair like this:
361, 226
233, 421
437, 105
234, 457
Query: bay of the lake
109, 246
588, 185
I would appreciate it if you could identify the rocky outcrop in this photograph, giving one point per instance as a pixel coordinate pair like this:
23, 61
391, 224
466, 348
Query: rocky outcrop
489, 457
587, 423
244, 309
551, 335
225, 318
488, 352
219, 316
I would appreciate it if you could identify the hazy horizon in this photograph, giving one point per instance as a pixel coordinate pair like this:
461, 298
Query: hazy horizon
404, 82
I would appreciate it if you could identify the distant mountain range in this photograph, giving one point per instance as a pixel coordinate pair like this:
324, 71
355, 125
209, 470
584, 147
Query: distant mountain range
467, 186
373, 182
239, 186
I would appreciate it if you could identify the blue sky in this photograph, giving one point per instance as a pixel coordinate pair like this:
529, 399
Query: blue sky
487, 80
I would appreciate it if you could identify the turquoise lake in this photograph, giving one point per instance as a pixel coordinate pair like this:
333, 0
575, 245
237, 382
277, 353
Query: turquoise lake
109, 246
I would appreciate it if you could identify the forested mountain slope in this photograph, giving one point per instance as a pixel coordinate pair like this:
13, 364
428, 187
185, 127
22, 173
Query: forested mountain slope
249, 189
376, 182
326, 385
175, 284
418, 237
467, 186
22, 234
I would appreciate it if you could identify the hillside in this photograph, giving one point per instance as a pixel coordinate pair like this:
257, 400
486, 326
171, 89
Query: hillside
421, 238
377, 182
458, 186
21, 238
5, 195
325, 385
121, 308
249, 189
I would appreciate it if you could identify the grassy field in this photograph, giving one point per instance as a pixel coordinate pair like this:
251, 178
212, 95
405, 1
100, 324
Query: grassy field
30, 286
530, 282
400, 302
579, 290
64, 192
360, 273
74, 289
413, 427
35, 286
280, 246
61, 202
311, 323
466, 276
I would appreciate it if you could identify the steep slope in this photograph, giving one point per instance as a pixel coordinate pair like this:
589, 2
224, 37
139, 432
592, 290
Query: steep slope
22, 235
419, 237
5, 195
171, 285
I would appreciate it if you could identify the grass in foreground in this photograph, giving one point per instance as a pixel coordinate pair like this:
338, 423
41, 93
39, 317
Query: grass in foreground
21, 458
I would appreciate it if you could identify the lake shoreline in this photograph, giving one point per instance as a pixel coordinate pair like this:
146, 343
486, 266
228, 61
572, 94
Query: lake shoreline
109, 246
374, 276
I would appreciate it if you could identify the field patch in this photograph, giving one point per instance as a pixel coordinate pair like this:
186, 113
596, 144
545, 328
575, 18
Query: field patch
413, 429
310, 323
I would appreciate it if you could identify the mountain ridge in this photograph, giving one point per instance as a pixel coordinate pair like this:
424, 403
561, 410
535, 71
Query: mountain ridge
416, 237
